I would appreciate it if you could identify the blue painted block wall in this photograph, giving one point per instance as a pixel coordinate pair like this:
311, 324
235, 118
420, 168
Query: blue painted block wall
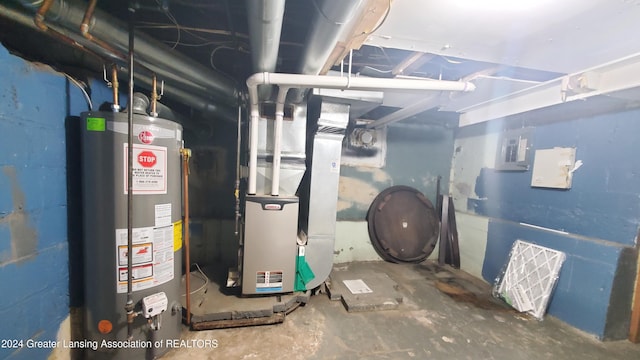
582, 294
603, 201
34, 248
600, 213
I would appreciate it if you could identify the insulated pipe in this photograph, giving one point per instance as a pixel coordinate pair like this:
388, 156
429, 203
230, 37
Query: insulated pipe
70, 13
327, 25
265, 26
179, 94
198, 103
331, 17
330, 82
277, 140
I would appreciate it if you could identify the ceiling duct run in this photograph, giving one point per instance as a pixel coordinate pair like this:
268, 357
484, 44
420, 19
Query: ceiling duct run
186, 80
330, 20
265, 26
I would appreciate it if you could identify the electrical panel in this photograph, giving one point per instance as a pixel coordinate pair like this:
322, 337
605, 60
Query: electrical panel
514, 150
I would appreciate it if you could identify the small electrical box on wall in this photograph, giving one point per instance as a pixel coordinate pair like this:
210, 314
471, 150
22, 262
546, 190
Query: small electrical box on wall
514, 150
553, 168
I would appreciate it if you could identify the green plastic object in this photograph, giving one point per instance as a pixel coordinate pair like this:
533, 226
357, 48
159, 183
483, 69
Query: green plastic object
304, 274
95, 124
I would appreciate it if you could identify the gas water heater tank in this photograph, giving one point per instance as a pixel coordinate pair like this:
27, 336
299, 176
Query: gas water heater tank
157, 233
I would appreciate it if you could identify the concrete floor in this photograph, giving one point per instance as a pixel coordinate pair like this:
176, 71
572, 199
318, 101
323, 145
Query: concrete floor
428, 324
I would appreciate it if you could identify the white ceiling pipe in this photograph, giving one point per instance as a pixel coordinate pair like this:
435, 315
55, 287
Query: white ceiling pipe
354, 83
277, 140
330, 82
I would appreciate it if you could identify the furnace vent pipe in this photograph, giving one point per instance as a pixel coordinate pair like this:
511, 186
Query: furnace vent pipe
330, 82
277, 140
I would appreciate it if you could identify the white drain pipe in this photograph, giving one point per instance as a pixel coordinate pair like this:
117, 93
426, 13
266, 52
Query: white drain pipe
287, 81
277, 140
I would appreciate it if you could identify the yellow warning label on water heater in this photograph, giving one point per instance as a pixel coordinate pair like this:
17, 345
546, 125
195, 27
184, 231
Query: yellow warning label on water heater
177, 235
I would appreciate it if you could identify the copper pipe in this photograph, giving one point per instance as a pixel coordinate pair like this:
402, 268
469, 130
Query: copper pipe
38, 20
42, 11
84, 26
154, 96
114, 85
186, 154
84, 30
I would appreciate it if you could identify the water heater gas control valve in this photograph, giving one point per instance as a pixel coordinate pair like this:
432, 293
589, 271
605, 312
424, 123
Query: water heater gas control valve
155, 304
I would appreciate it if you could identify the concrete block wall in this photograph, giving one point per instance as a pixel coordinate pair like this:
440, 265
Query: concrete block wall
599, 216
417, 153
35, 102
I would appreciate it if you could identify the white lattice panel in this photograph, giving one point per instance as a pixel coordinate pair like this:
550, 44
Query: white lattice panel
530, 276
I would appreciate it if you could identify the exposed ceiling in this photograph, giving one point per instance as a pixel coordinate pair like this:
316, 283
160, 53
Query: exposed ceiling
520, 59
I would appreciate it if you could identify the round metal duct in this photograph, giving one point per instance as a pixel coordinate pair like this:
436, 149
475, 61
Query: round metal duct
403, 226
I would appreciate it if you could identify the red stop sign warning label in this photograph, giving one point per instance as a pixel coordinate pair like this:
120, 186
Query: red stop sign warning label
147, 158
149, 170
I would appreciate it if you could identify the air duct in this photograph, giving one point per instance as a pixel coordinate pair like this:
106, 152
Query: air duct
265, 26
150, 53
184, 94
321, 202
205, 106
330, 20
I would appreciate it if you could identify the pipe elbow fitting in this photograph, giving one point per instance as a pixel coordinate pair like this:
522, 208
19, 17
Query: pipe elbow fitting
39, 21
84, 30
